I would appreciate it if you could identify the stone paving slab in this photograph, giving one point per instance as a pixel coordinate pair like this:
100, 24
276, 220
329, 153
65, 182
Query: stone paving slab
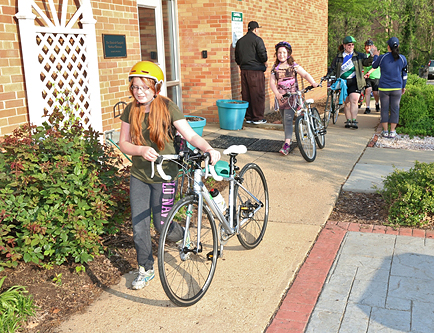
399, 280
393, 293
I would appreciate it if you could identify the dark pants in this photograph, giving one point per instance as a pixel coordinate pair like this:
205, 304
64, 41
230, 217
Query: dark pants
253, 91
390, 101
144, 198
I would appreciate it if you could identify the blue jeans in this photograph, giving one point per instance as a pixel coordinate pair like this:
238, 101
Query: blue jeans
146, 198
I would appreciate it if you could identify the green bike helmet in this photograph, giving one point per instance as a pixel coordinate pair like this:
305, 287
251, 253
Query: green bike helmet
348, 39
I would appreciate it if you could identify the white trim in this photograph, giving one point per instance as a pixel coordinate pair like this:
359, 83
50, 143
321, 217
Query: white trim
89, 89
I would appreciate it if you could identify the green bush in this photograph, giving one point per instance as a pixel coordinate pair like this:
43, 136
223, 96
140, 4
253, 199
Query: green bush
416, 115
61, 189
415, 80
15, 308
410, 195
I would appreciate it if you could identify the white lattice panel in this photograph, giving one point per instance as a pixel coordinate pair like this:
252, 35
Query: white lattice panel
60, 58
64, 72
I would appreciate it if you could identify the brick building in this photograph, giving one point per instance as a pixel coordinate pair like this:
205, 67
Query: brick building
173, 33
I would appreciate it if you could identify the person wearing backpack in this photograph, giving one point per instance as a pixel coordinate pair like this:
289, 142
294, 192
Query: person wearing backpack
283, 79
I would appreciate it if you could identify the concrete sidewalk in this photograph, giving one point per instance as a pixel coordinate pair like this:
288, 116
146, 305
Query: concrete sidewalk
361, 278
248, 287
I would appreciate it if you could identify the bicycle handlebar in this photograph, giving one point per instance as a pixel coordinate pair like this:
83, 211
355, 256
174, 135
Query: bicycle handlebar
198, 157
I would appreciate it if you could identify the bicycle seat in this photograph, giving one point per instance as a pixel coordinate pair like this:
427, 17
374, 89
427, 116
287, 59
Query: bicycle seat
310, 101
240, 149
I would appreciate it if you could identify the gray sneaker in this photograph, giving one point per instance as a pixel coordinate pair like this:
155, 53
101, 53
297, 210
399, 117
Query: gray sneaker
143, 278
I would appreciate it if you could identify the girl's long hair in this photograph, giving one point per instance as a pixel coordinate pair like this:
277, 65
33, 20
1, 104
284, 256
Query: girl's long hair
395, 52
159, 120
290, 59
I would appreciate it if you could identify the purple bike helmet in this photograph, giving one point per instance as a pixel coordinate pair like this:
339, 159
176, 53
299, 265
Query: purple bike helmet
283, 44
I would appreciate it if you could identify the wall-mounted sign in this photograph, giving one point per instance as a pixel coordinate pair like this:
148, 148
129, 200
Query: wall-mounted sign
115, 46
237, 27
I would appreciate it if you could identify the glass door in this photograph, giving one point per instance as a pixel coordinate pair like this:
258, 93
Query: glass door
159, 42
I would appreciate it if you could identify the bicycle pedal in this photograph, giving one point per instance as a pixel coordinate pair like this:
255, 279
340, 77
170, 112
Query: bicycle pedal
322, 132
210, 256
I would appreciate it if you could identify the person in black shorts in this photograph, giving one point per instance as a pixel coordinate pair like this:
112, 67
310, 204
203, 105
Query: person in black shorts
348, 65
372, 78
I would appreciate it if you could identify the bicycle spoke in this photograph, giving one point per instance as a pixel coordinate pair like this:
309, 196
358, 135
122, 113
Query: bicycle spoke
254, 188
186, 273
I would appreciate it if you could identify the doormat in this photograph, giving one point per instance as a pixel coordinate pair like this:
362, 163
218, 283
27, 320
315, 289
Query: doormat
254, 144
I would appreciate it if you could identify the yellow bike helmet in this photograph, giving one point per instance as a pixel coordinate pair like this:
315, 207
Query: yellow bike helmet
147, 69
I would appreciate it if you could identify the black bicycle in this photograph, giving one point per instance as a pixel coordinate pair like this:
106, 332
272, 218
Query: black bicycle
332, 106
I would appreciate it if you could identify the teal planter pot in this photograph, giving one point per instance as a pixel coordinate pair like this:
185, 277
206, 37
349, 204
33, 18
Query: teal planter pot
231, 113
197, 124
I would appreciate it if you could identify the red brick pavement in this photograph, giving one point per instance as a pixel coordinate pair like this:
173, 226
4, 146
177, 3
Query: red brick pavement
299, 302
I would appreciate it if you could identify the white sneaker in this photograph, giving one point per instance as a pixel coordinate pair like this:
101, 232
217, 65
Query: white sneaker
392, 134
143, 278
258, 122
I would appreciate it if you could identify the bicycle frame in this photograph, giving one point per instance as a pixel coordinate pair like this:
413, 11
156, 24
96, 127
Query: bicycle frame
202, 192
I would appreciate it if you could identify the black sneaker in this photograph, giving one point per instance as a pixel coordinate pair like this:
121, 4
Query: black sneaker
348, 124
367, 111
354, 124
377, 107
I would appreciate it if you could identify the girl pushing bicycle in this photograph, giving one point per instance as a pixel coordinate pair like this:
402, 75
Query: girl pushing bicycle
283, 79
148, 128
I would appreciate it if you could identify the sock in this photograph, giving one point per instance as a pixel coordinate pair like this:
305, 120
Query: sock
354, 120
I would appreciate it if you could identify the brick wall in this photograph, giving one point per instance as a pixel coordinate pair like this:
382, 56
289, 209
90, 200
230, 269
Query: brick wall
115, 17
204, 81
203, 25
13, 109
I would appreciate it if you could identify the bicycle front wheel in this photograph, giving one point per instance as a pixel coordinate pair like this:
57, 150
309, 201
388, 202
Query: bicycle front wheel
318, 128
305, 139
335, 106
328, 109
252, 205
186, 272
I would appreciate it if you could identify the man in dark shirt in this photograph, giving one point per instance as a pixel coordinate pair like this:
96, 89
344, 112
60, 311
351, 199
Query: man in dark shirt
251, 56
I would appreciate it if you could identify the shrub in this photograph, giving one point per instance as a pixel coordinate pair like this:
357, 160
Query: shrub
410, 195
15, 307
61, 189
415, 80
416, 115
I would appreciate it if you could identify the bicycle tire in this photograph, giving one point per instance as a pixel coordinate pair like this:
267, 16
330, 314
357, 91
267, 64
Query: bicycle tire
318, 129
252, 231
305, 141
336, 106
328, 109
186, 279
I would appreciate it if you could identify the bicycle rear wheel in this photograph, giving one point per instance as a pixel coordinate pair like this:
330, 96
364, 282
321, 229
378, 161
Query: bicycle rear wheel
305, 139
253, 225
318, 128
186, 273
335, 106
328, 109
